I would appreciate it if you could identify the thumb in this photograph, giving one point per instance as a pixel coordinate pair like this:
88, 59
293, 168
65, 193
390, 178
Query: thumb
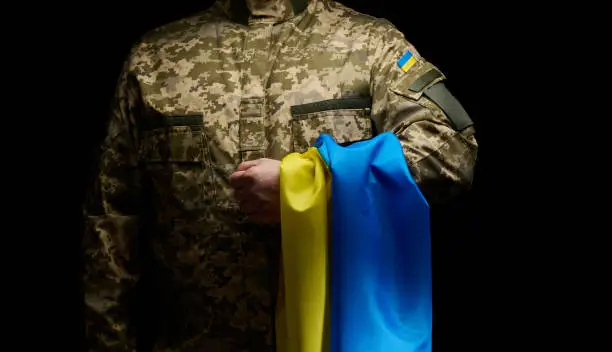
248, 164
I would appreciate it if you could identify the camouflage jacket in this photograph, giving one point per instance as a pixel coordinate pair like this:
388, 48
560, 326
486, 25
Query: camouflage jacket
167, 252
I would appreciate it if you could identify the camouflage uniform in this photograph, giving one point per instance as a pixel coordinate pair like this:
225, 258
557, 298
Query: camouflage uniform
197, 97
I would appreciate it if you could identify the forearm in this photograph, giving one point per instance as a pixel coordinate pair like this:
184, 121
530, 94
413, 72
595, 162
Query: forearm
441, 158
442, 170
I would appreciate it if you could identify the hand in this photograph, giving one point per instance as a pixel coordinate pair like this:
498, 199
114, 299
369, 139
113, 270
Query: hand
256, 187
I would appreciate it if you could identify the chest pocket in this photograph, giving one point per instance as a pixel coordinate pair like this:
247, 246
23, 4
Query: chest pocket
347, 120
172, 151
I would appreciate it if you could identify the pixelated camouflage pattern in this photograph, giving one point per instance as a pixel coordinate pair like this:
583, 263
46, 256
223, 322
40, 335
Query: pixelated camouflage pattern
196, 98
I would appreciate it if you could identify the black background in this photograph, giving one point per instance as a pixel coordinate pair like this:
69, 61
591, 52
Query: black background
70, 56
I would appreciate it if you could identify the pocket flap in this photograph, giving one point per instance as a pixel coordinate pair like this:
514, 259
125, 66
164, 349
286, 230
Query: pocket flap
347, 120
302, 110
172, 139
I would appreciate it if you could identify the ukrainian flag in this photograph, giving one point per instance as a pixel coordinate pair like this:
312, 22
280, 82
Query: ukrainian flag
406, 61
356, 272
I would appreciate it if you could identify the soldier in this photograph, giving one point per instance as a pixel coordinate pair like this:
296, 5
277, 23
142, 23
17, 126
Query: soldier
186, 194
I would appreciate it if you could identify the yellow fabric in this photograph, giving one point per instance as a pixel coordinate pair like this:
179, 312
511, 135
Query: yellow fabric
302, 316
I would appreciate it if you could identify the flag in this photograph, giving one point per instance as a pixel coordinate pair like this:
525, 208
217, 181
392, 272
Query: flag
356, 262
406, 61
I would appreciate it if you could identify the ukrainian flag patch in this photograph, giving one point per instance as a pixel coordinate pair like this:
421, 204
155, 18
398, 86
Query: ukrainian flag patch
406, 61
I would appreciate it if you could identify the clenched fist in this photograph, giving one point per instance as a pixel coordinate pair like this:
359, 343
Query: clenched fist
256, 187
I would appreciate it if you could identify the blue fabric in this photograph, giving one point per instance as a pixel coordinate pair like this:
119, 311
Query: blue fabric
380, 249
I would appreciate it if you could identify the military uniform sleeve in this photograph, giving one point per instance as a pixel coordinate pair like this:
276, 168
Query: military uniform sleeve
112, 225
436, 134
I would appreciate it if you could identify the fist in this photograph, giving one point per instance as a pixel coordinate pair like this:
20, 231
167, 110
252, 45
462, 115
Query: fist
256, 186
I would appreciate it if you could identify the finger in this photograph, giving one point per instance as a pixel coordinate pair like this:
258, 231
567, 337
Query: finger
250, 206
241, 194
245, 165
239, 179
255, 215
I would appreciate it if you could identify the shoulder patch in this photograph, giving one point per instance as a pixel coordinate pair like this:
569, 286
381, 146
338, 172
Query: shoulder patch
406, 61
414, 82
440, 95
423, 81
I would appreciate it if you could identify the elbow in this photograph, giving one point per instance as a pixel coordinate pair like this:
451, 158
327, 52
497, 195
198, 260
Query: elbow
447, 173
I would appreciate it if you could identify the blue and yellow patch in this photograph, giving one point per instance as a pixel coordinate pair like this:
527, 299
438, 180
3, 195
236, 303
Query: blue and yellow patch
406, 61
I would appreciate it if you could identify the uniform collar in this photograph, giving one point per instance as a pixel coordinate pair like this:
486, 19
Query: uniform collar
272, 11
